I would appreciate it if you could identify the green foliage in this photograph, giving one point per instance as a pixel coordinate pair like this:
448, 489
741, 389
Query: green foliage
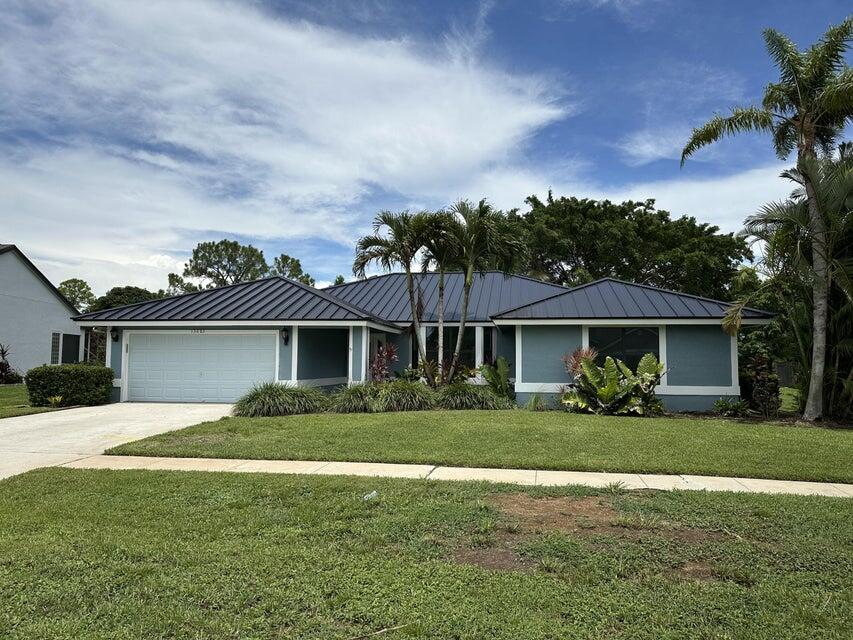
536, 403
339, 279
120, 296
762, 386
76, 384
614, 389
355, 398
731, 407
463, 395
77, 292
273, 399
289, 267
497, 377
8, 375
403, 395
573, 241
225, 262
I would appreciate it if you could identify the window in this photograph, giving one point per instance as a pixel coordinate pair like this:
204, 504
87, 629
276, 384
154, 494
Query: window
55, 340
628, 344
488, 345
466, 354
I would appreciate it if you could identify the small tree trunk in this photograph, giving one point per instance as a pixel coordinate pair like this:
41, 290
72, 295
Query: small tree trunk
416, 323
441, 326
463, 318
820, 303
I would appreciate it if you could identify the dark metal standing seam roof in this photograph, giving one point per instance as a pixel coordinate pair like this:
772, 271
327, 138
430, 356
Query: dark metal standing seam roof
610, 298
387, 296
275, 298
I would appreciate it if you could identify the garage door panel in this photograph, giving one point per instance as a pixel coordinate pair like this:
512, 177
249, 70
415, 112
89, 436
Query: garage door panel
198, 367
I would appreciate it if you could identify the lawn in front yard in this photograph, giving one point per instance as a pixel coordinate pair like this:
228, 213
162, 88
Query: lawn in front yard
524, 439
14, 401
156, 554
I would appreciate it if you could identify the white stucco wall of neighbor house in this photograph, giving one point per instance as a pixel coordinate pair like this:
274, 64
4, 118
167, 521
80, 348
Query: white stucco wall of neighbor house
30, 312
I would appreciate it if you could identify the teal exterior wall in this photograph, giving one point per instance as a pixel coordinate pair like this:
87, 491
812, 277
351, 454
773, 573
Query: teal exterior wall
285, 356
542, 350
403, 342
698, 355
505, 346
355, 354
322, 353
116, 353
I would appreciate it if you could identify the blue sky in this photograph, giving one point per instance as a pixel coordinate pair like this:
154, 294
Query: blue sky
132, 131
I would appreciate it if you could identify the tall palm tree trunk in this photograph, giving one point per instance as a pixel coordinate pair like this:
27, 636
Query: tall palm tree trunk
463, 318
416, 323
820, 304
441, 325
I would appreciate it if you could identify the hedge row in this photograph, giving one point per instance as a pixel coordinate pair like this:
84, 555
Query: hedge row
68, 385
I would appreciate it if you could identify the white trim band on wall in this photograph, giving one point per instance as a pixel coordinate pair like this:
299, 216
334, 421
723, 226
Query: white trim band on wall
627, 322
555, 387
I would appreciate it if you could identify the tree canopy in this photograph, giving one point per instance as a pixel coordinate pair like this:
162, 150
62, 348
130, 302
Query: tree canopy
118, 296
77, 292
289, 267
572, 241
218, 264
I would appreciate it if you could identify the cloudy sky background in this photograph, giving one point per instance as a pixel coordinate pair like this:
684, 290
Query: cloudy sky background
131, 131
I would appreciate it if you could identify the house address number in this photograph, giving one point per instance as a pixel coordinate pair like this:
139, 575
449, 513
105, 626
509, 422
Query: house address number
197, 330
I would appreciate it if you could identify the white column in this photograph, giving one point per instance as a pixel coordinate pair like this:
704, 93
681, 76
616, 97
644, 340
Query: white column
478, 346
585, 336
365, 336
82, 350
109, 343
735, 371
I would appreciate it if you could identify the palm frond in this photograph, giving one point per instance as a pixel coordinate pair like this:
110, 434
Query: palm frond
826, 57
741, 120
788, 59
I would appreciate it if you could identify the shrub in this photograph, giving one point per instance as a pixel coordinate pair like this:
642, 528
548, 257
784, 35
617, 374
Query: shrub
356, 398
536, 403
274, 399
497, 377
731, 407
380, 368
404, 395
8, 375
462, 395
763, 384
77, 384
614, 389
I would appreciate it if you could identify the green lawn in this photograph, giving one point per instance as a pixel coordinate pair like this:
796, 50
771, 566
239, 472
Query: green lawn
142, 554
790, 398
524, 439
14, 401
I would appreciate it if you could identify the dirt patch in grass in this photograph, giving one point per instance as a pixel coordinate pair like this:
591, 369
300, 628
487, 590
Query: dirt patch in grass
523, 516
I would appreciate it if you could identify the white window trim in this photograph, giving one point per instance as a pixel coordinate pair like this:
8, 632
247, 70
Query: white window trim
662, 389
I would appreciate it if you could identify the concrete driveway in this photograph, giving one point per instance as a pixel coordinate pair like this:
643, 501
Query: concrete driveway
47, 439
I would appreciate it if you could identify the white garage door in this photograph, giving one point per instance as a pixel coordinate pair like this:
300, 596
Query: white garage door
191, 367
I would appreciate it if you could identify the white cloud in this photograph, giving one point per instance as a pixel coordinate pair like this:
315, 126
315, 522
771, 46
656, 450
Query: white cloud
173, 122
648, 145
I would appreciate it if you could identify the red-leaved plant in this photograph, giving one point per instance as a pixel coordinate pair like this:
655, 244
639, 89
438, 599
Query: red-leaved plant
380, 368
572, 362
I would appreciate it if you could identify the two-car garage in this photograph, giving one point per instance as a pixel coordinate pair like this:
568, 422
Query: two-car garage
184, 366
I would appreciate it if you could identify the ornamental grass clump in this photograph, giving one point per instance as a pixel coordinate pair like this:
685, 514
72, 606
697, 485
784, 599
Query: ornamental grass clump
462, 395
404, 395
272, 399
356, 398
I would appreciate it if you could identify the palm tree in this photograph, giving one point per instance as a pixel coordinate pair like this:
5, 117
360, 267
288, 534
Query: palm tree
805, 110
484, 240
785, 229
400, 244
442, 253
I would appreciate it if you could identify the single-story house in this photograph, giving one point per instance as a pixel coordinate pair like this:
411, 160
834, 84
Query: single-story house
35, 321
213, 345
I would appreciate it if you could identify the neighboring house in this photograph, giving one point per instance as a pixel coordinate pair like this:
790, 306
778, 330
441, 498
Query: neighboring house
213, 345
34, 317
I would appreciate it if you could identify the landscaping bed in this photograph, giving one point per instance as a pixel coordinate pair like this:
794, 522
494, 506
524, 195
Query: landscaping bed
524, 439
101, 554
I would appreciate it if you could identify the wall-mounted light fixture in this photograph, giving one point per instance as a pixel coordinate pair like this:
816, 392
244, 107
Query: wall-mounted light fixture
285, 336
114, 334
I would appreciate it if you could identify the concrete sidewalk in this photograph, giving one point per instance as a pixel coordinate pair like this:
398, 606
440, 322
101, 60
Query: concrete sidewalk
514, 476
